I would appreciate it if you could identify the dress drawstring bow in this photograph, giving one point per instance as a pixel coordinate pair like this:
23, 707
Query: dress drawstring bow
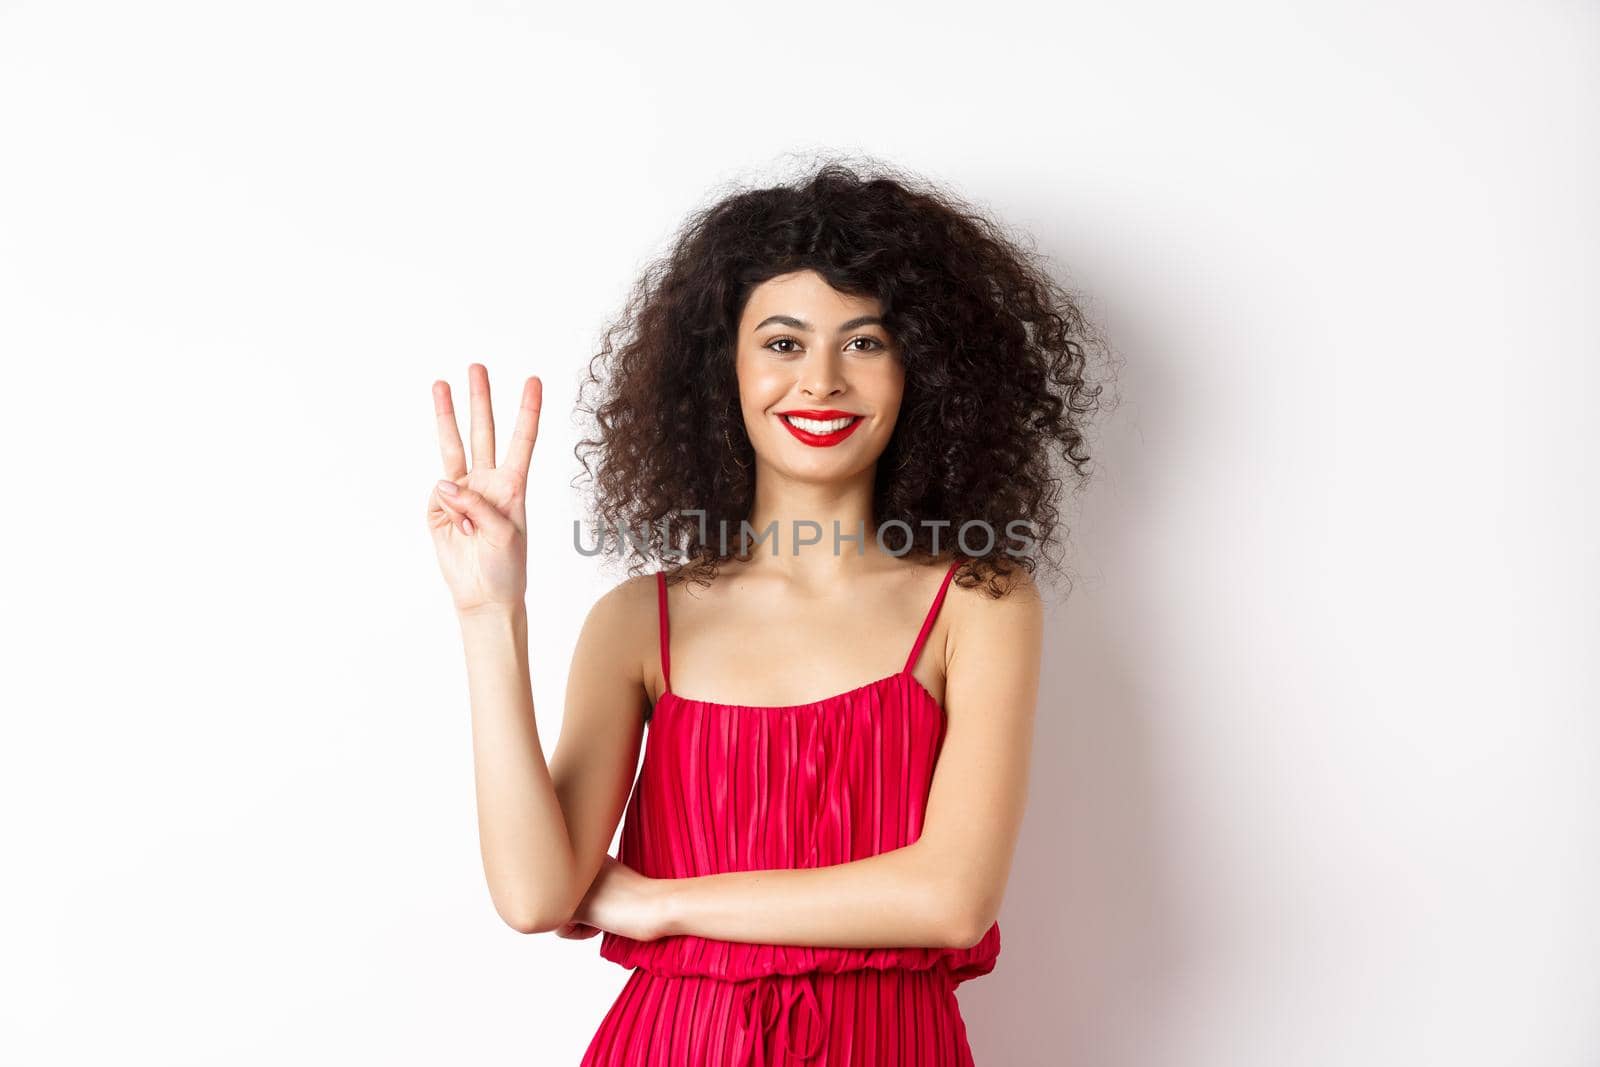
781, 991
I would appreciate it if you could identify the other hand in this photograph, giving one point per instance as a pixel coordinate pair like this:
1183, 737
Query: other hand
622, 901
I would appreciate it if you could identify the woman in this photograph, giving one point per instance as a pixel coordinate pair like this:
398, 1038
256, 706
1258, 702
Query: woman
815, 851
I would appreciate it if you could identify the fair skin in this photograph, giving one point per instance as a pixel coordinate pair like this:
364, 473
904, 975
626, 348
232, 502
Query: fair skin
544, 829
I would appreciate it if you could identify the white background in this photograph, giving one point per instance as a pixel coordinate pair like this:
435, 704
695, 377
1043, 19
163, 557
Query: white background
1315, 776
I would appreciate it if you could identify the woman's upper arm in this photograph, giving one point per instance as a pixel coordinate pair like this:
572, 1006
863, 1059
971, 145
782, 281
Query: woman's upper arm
602, 727
980, 785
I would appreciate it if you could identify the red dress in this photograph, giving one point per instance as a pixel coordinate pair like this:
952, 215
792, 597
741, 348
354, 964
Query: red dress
726, 787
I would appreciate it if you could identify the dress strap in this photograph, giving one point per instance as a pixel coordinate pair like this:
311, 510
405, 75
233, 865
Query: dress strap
666, 658
933, 612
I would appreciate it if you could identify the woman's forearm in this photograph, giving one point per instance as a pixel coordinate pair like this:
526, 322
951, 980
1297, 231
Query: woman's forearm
522, 833
895, 899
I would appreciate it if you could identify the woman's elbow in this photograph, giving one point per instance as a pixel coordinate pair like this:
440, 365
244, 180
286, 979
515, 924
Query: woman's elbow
959, 909
535, 916
967, 917
534, 922
965, 928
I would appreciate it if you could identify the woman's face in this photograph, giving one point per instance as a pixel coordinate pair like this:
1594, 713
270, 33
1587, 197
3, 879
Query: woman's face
820, 379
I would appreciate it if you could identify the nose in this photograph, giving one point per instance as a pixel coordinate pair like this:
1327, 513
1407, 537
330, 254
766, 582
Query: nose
821, 376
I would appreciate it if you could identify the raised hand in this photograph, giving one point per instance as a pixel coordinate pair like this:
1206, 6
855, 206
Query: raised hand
478, 517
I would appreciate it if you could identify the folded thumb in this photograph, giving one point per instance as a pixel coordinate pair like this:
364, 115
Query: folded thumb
484, 515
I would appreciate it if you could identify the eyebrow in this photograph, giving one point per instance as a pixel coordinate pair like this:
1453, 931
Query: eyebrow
801, 324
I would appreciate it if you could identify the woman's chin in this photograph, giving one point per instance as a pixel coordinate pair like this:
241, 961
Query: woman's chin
812, 469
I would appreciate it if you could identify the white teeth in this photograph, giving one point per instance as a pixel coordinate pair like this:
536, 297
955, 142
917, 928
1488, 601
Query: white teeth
819, 425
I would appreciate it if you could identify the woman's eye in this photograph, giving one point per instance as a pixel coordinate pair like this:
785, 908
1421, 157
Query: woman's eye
872, 343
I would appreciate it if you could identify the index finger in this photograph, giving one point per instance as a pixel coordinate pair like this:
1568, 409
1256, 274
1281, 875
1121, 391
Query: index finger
444, 414
519, 453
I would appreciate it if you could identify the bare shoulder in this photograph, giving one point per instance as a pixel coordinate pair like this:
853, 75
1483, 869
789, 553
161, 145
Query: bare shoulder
623, 601
1005, 614
620, 631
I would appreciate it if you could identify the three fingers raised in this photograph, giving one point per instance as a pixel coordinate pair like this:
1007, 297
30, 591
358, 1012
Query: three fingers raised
519, 455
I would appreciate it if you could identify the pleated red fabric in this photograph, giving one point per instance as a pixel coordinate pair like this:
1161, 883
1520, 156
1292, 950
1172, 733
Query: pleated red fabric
738, 787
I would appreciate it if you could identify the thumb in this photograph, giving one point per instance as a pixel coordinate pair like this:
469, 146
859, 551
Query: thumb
484, 515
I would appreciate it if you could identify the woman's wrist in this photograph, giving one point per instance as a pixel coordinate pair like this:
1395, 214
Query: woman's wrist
492, 627
664, 906
497, 611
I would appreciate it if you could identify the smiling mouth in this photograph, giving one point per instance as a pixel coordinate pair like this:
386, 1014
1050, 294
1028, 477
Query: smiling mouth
821, 433
821, 427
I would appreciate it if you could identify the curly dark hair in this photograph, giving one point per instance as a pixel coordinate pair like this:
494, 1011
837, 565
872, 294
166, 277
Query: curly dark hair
995, 354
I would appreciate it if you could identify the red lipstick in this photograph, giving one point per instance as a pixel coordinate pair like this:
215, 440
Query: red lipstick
820, 440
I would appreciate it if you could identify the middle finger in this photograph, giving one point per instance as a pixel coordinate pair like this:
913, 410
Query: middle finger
482, 417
